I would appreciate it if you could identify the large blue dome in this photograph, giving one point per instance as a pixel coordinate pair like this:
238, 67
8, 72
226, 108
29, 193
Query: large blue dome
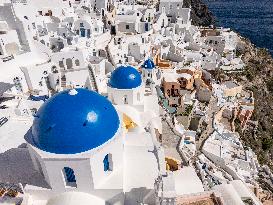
125, 77
74, 121
148, 64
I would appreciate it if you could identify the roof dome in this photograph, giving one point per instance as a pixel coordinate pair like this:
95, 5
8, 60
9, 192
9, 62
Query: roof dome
148, 64
125, 77
74, 121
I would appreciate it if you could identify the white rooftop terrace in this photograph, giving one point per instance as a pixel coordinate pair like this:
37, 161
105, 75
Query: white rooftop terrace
172, 76
139, 156
12, 133
11, 68
187, 181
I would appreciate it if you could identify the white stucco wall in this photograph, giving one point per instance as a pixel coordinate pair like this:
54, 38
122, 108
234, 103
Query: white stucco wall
134, 96
88, 168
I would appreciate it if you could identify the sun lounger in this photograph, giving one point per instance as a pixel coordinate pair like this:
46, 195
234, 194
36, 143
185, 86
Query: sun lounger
2, 191
12, 193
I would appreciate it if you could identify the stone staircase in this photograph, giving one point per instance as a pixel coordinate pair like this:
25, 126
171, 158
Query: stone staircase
93, 80
63, 82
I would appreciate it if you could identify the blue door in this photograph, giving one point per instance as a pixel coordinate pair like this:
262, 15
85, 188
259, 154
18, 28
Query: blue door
88, 33
82, 30
146, 27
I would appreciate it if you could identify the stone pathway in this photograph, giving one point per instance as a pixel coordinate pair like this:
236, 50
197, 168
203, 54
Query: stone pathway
170, 142
212, 109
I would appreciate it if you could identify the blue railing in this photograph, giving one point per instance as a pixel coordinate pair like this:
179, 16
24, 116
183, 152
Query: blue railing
39, 98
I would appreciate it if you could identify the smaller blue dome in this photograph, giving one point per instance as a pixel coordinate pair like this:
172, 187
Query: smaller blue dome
125, 77
148, 64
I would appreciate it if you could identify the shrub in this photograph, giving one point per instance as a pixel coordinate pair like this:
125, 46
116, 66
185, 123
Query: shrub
269, 84
266, 143
262, 158
238, 53
262, 52
249, 74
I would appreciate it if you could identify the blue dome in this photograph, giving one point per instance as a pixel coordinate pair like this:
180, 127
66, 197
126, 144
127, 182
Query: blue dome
74, 121
148, 64
125, 77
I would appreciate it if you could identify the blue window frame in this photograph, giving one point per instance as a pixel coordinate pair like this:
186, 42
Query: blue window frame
107, 163
82, 31
70, 178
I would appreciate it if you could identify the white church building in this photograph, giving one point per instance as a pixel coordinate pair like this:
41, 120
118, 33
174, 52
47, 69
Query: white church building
90, 151
83, 147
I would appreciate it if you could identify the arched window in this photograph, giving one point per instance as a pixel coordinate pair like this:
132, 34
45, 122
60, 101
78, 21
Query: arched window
69, 176
138, 96
108, 163
61, 64
125, 99
77, 62
168, 92
69, 63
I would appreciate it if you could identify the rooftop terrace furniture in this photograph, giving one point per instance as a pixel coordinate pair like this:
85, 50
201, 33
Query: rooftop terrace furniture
2, 191
3, 120
12, 193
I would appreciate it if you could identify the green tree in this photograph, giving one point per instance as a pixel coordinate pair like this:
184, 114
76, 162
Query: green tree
267, 143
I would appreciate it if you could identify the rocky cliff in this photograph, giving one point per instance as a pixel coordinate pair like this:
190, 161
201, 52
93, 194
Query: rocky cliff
258, 77
201, 16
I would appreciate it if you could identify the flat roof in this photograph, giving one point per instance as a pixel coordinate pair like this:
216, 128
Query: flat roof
172, 77
11, 68
187, 181
139, 156
12, 133
185, 75
213, 146
204, 198
126, 18
231, 84
4, 87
